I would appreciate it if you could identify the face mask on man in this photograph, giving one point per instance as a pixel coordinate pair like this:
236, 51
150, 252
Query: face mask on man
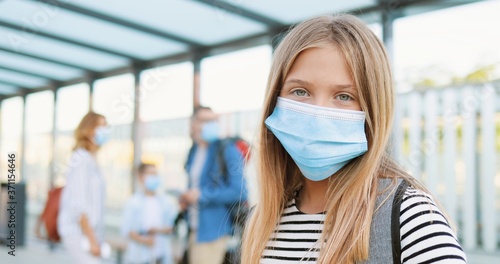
321, 140
210, 131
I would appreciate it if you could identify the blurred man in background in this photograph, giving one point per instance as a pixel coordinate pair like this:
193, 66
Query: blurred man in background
216, 185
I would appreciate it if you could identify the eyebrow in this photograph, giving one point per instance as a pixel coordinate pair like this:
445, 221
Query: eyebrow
298, 81
306, 83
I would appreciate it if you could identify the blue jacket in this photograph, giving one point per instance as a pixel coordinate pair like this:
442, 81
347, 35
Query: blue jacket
218, 193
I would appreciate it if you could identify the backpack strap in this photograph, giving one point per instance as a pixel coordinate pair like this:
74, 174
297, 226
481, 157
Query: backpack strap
395, 225
189, 157
221, 160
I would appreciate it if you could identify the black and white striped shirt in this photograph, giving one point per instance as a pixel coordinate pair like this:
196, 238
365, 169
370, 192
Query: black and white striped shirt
425, 234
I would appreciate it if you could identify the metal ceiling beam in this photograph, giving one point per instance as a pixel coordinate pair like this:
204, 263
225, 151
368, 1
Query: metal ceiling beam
431, 5
8, 96
366, 10
122, 22
70, 65
50, 87
28, 73
17, 85
396, 6
243, 12
239, 44
66, 40
406, 3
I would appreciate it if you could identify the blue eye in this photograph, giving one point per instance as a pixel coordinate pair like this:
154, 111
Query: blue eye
344, 97
300, 93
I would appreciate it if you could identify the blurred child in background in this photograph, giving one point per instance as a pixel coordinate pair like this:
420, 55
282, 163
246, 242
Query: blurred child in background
148, 220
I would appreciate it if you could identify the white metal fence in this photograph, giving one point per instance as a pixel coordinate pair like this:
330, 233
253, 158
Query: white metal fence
450, 139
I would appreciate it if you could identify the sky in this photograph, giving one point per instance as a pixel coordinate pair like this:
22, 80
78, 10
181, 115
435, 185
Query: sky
439, 45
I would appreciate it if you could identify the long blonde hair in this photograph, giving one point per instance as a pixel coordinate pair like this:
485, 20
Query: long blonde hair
353, 190
86, 130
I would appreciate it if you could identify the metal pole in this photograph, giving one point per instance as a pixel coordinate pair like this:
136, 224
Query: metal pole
276, 37
53, 166
388, 16
136, 124
196, 81
91, 94
1, 138
23, 140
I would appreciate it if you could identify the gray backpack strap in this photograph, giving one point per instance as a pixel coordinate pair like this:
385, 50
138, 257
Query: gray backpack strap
395, 228
380, 230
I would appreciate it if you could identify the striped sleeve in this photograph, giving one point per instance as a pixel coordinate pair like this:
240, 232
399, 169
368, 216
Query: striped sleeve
426, 236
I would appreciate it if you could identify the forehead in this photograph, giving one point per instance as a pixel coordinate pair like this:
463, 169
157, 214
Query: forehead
149, 169
205, 115
322, 64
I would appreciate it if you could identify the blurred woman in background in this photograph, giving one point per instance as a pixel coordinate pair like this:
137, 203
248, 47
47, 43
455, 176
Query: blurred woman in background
81, 213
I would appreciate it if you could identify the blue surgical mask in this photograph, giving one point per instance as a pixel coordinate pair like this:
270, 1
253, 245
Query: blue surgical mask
152, 182
101, 135
210, 131
321, 140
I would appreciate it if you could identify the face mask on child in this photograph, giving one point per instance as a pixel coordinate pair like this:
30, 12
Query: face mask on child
321, 140
152, 182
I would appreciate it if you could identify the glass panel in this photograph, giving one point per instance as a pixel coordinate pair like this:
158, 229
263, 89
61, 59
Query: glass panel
166, 143
22, 79
115, 161
39, 118
48, 69
167, 92
114, 98
39, 112
72, 105
57, 50
56, 21
200, 22
11, 131
240, 76
292, 11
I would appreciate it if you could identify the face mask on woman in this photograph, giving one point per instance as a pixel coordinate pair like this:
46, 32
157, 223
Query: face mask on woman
321, 140
101, 135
